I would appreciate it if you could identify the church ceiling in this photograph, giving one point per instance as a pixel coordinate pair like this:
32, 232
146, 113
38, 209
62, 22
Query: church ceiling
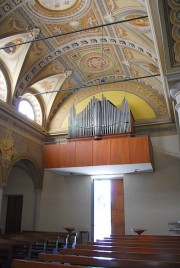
75, 49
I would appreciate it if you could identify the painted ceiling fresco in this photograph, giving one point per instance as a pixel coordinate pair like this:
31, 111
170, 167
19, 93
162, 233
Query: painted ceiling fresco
65, 52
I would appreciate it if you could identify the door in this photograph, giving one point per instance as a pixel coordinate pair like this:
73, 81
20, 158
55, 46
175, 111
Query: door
117, 207
14, 214
108, 207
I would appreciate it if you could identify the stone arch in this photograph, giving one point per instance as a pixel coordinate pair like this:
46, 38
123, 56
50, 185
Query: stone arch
31, 167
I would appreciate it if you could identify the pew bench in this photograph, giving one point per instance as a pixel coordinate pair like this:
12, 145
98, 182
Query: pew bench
37, 264
130, 249
5, 255
148, 241
144, 236
105, 262
135, 244
121, 255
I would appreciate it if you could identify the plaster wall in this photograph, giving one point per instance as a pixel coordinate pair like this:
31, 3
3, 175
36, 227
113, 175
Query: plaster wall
152, 200
19, 183
65, 201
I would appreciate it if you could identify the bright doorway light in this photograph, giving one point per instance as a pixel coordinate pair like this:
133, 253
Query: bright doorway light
102, 208
26, 109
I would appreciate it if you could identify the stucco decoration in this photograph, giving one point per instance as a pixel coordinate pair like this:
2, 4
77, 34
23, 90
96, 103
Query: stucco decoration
7, 146
172, 9
74, 36
30, 164
58, 11
49, 84
156, 102
14, 56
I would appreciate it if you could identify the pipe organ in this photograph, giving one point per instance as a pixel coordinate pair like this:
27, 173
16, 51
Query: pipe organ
100, 117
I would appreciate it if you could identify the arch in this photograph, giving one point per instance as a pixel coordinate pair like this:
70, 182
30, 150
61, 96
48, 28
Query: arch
36, 105
7, 78
32, 167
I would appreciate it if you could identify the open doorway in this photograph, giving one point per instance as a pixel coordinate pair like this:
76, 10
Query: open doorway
102, 208
108, 209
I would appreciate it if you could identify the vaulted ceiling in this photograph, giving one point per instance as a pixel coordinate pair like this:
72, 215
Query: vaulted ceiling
56, 53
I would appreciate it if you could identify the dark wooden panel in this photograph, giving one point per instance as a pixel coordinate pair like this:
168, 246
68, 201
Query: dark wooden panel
67, 154
117, 207
119, 152
14, 214
139, 149
51, 155
84, 153
101, 152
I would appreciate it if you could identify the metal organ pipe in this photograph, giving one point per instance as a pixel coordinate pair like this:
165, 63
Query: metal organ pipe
100, 118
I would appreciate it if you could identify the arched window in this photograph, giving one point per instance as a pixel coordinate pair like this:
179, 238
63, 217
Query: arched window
30, 106
3, 87
26, 109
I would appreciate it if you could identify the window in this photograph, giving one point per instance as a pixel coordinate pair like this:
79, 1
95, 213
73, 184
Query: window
26, 109
30, 106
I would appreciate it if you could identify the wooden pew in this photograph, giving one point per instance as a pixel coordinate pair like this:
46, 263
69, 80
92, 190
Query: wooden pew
37, 264
135, 244
130, 249
28, 247
144, 237
37, 244
5, 255
158, 241
121, 255
66, 239
105, 262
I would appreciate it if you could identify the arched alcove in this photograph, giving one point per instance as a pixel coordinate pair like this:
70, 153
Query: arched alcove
24, 181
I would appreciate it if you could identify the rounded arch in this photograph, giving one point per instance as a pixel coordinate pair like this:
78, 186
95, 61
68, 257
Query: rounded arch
36, 106
7, 78
31, 167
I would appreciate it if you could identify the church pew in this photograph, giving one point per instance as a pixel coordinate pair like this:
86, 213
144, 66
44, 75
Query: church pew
36, 264
5, 255
27, 247
105, 262
135, 244
130, 249
37, 244
65, 239
121, 255
144, 237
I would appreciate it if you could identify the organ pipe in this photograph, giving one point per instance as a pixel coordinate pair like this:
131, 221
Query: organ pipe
100, 118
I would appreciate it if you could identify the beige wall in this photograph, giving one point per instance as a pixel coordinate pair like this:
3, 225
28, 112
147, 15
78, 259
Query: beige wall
151, 199
20, 182
66, 201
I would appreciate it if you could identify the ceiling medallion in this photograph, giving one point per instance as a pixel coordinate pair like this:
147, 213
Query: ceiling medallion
56, 11
95, 63
56, 4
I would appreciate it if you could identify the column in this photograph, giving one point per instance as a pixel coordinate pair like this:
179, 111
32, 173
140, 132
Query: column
37, 206
175, 94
